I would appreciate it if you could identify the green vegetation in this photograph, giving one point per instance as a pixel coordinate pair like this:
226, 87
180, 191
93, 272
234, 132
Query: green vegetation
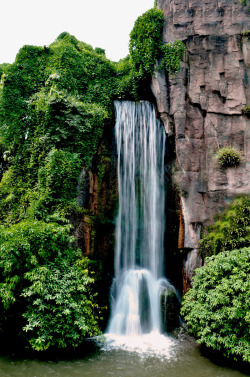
246, 33
146, 45
172, 56
216, 308
229, 157
246, 3
230, 231
246, 109
146, 41
55, 103
45, 288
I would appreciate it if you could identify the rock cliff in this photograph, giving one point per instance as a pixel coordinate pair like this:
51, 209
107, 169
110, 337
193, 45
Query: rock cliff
202, 108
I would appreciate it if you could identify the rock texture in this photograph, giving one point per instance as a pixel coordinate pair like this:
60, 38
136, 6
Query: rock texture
202, 107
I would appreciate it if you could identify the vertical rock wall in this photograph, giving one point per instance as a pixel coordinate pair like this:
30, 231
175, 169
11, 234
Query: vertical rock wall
202, 107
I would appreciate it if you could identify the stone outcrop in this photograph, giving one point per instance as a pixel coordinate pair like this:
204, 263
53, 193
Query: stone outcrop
202, 107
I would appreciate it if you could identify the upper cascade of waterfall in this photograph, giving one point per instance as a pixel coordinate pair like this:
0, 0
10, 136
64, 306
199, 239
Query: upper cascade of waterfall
141, 218
139, 258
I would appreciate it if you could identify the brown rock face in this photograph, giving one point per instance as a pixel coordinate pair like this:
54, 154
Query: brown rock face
202, 106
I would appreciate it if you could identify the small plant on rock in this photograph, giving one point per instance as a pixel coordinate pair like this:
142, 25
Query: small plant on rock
229, 157
246, 109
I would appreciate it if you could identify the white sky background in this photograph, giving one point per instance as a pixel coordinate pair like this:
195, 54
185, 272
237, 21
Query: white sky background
100, 23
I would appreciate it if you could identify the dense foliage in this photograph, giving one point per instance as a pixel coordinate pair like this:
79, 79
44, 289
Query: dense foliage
55, 102
172, 56
230, 231
146, 41
146, 45
229, 157
217, 307
45, 287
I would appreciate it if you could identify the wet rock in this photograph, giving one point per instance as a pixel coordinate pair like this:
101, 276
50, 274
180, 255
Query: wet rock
170, 307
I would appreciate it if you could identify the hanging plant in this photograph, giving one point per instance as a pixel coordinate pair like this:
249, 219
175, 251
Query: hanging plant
172, 55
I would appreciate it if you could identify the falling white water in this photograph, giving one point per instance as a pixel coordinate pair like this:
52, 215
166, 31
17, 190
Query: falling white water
139, 258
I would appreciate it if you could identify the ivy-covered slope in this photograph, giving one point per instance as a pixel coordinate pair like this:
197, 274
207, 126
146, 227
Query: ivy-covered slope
55, 103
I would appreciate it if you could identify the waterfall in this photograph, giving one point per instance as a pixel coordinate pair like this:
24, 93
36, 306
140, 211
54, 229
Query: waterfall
139, 257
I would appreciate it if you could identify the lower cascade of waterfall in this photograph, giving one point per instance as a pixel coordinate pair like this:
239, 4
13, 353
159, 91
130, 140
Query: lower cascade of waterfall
139, 291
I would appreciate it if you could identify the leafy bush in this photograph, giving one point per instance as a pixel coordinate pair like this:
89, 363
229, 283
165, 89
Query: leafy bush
217, 307
229, 157
230, 231
172, 56
146, 45
45, 281
146, 41
60, 307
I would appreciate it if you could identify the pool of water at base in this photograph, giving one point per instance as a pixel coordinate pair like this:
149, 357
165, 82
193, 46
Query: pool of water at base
119, 357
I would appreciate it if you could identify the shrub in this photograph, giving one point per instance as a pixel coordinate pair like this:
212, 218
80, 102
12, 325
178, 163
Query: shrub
229, 157
60, 306
230, 231
172, 56
146, 41
45, 287
217, 307
146, 45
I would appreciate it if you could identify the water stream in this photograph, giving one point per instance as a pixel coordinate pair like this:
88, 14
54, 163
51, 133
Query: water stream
186, 361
